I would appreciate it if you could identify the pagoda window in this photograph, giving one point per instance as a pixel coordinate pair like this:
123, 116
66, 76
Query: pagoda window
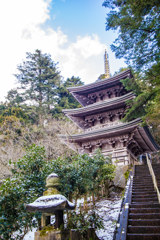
92, 121
86, 124
103, 120
100, 96
92, 97
116, 92
100, 119
98, 143
124, 140
111, 116
112, 142
109, 94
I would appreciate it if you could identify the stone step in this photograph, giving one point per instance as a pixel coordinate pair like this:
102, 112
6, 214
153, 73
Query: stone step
144, 200
143, 229
144, 215
144, 210
142, 188
139, 197
142, 177
145, 205
143, 183
144, 222
144, 193
142, 180
145, 188
141, 236
144, 196
141, 202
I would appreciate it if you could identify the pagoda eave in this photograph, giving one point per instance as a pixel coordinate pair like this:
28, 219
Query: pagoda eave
100, 106
81, 93
139, 135
100, 84
122, 127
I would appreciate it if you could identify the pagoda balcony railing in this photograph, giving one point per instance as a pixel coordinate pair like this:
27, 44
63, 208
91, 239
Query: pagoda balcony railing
153, 177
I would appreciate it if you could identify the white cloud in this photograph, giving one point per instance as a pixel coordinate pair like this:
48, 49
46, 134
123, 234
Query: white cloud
84, 58
21, 31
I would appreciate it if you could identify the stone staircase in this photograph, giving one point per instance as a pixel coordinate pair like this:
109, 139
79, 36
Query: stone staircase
144, 210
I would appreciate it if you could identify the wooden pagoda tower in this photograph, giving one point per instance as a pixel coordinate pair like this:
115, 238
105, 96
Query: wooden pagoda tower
103, 106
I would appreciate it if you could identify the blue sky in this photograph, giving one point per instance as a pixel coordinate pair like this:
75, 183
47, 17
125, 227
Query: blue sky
72, 31
84, 17
79, 17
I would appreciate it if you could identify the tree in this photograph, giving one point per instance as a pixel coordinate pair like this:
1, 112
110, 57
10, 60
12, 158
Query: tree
14, 98
138, 23
27, 183
146, 105
65, 99
78, 174
39, 79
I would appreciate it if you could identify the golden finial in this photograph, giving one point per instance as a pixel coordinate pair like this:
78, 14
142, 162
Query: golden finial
106, 65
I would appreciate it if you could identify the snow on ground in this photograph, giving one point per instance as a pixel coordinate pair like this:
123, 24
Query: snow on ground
108, 210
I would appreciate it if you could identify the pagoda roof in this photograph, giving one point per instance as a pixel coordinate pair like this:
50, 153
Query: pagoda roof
108, 104
142, 134
98, 85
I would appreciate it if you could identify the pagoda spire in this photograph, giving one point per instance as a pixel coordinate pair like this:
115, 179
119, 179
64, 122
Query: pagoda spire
106, 65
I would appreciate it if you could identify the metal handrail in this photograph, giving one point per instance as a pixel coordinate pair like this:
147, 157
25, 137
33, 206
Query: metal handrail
153, 177
121, 228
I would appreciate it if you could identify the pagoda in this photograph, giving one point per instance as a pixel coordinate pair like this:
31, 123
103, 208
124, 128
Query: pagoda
103, 107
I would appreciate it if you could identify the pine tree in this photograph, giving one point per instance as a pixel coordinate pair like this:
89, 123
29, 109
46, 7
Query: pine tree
39, 79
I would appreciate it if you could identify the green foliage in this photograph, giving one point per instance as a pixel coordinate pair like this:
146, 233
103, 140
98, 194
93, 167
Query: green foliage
102, 76
82, 222
13, 111
138, 23
46, 229
14, 98
15, 122
146, 87
126, 174
65, 100
79, 174
42, 90
25, 186
39, 79
121, 70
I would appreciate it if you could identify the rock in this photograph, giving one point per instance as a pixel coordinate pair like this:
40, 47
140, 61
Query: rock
119, 179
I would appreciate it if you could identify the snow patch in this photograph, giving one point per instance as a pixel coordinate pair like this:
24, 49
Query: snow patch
50, 201
108, 210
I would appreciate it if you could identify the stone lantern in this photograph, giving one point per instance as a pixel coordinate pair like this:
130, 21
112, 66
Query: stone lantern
51, 203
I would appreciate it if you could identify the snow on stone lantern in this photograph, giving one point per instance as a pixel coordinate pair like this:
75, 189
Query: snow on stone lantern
51, 203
